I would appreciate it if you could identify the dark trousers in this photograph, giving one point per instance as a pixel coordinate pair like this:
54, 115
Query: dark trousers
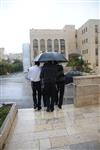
43, 95
44, 99
36, 89
50, 89
59, 93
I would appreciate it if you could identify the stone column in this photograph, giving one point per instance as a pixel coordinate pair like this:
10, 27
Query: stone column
45, 45
59, 46
38, 46
53, 45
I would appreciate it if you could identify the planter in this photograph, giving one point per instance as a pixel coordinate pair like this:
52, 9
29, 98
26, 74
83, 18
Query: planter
6, 126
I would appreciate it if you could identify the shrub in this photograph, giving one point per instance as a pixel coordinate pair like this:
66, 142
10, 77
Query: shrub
8, 67
3, 113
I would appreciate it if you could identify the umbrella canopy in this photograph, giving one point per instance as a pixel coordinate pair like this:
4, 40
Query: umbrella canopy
50, 56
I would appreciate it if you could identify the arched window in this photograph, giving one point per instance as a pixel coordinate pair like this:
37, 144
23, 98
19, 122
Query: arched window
42, 45
62, 46
35, 47
56, 45
49, 45
35, 44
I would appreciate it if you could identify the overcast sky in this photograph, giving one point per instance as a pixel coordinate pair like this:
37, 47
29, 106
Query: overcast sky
17, 17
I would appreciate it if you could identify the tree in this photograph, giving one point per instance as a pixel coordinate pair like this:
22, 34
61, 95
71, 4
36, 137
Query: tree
8, 67
77, 63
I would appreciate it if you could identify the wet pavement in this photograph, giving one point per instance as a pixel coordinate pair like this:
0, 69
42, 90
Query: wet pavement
69, 128
16, 88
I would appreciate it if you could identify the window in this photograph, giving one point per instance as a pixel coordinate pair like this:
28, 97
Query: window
96, 40
49, 45
75, 35
85, 51
42, 45
35, 47
76, 45
62, 46
86, 40
96, 28
96, 51
35, 44
84, 30
96, 61
35, 53
56, 45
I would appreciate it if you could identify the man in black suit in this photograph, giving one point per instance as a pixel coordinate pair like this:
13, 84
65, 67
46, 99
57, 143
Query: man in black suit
60, 86
48, 76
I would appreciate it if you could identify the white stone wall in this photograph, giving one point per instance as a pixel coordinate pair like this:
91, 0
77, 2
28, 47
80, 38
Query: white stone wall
90, 34
99, 51
70, 37
86, 90
68, 34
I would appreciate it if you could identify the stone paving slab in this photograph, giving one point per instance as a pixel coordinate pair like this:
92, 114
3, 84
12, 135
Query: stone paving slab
93, 145
67, 129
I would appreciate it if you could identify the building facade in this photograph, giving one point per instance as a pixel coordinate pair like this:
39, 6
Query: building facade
88, 42
44, 40
1, 54
84, 41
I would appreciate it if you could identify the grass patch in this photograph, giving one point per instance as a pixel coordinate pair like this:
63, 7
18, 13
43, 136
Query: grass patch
4, 110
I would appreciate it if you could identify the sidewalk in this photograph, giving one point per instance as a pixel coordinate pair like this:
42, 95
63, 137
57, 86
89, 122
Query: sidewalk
67, 129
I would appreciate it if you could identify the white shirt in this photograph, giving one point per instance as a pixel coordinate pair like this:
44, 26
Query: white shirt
34, 73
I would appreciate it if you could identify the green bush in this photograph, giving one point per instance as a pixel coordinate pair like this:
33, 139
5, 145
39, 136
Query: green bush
79, 64
3, 113
7, 67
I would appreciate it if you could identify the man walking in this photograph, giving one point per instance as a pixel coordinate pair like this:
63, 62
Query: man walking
34, 76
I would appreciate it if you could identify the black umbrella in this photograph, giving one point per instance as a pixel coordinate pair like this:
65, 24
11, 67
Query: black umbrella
50, 56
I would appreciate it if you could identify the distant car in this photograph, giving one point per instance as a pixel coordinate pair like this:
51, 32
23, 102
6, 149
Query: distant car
69, 76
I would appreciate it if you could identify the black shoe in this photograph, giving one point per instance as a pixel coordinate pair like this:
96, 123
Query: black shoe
60, 107
52, 109
39, 108
35, 107
48, 110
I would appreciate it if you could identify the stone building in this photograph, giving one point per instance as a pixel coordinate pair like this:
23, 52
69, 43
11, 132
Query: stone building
84, 41
88, 42
46, 40
1, 54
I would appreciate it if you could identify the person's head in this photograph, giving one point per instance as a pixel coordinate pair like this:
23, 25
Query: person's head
37, 63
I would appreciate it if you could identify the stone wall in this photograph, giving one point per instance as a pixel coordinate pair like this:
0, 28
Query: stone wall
86, 90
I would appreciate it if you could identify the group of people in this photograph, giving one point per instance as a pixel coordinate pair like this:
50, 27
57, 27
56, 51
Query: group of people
47, 81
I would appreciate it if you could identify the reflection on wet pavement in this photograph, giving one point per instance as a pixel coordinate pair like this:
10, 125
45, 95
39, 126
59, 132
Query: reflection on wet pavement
15, 88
